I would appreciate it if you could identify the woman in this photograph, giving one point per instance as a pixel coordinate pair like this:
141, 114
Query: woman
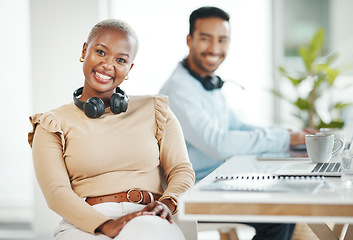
100, 160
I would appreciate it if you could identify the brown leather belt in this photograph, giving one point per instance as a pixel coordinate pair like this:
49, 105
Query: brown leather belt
132, 195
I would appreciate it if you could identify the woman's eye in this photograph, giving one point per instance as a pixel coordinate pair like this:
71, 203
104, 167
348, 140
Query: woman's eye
101, 52
121, 60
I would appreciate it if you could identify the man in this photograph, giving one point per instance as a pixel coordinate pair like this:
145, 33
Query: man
211, 130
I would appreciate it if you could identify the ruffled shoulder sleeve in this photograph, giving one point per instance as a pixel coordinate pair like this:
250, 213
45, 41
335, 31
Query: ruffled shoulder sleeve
161, 111
46, 121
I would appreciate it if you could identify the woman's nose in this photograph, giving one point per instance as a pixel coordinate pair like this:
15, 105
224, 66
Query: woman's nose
107, 63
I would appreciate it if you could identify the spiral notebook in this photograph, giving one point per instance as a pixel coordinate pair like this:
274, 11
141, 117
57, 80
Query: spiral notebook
266, 182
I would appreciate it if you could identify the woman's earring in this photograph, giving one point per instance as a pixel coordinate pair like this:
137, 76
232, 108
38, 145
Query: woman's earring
81, 59
127, 77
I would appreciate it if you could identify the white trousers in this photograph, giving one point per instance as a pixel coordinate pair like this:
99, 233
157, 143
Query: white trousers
142, 227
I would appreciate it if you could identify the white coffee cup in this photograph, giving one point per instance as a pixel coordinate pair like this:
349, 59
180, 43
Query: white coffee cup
320, 147
337, 133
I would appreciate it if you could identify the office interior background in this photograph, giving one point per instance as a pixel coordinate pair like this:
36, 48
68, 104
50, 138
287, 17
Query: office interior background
42, 40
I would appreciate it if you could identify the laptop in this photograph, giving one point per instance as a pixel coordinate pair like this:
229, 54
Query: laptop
329, 169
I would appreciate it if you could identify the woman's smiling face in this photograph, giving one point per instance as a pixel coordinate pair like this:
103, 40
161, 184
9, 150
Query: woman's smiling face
108, 58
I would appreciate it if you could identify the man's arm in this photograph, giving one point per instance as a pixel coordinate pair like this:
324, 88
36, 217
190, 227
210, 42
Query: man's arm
218, 142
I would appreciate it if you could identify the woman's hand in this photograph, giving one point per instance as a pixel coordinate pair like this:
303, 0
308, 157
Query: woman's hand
159, 209
112, 228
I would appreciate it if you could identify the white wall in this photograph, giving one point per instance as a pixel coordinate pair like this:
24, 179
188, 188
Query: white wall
15, 92
58, 31
342, 32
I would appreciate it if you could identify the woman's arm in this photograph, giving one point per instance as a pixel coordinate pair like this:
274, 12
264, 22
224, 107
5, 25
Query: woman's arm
175, 162
54, 181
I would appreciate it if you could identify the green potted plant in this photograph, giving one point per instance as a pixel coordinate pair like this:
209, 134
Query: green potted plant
320, 76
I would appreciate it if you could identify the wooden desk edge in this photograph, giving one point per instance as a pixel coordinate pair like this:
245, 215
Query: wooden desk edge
268, 209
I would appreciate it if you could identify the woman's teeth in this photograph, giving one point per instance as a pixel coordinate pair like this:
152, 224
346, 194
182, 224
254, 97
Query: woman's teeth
102, 76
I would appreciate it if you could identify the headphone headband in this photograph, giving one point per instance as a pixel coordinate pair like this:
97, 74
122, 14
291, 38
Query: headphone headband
78, 102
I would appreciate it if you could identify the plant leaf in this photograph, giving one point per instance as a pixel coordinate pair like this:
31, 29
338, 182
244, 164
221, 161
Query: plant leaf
295, 81
334, 124
304, 53
332, 74
317, 43
302, 104
277, 93
283, 71
340, 106
310, 53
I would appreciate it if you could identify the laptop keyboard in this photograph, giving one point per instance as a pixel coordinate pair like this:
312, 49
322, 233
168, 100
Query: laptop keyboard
327, 167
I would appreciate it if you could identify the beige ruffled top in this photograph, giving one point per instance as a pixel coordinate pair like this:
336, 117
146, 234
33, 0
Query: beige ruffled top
76, 156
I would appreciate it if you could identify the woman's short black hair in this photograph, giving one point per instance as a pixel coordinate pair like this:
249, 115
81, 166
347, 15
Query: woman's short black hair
206, 12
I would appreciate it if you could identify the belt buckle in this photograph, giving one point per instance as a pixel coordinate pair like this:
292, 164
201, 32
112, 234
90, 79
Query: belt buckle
128, 195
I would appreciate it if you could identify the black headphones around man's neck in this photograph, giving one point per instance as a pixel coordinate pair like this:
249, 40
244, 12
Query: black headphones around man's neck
209, 82
94, 106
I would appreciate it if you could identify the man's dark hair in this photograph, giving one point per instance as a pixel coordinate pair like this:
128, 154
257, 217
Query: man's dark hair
206, 12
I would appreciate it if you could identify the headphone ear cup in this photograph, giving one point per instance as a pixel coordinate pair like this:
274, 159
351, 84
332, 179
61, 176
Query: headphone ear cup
220, 82
208, 83
118, 103
212, 82
94, 107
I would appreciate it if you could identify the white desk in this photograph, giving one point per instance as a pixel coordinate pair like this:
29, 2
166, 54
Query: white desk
330, 204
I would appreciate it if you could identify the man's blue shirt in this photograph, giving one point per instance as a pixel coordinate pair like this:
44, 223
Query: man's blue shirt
212, 131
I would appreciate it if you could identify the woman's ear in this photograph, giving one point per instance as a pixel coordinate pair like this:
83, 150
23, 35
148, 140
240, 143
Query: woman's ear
84, 50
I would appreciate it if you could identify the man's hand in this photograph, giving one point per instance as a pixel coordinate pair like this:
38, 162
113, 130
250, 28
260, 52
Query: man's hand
298, 138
